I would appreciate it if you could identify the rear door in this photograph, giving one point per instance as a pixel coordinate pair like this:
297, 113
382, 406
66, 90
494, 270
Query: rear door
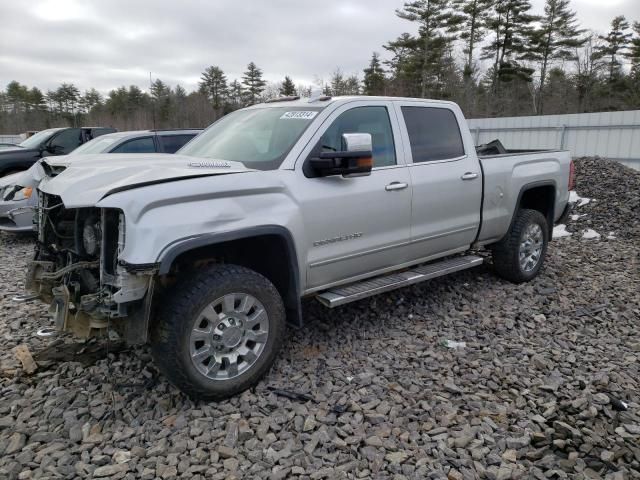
446, 180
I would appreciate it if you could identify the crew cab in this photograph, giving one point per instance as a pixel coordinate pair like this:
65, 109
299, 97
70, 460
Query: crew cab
53, 141
206, 254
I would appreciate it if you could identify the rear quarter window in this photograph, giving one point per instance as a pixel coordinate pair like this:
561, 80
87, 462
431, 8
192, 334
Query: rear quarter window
434, 134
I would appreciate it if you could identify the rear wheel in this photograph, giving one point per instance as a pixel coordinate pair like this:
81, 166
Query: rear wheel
519, 256
219, 332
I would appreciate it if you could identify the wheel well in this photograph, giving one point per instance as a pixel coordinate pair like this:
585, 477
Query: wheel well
271, 255
542, 199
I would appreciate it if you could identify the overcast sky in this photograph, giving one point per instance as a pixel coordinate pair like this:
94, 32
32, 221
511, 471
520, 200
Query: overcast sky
108, 43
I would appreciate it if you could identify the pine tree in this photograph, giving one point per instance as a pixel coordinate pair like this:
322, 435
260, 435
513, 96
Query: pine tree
634, 53
90, 99
512, 25
404, 64
180, 92
337, 85
633, 97
434, 19
236, 94
374, 79
470, 21
17, 95
159, 89
287, 89
616, 43
36, 99
68, 96
253, 83
213, 84
351, 85
555, 39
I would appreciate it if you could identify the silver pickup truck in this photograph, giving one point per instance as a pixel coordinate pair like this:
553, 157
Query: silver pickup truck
207, 253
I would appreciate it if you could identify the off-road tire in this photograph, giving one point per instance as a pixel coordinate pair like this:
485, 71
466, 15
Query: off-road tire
171, 329
506, 261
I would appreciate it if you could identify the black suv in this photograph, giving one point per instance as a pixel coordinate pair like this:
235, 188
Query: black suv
53, 141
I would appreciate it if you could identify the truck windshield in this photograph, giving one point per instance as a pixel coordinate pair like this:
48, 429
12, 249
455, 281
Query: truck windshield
34, 141
260, 138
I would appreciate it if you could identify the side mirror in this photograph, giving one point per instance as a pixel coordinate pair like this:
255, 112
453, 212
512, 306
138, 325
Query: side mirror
356, 160
51, 149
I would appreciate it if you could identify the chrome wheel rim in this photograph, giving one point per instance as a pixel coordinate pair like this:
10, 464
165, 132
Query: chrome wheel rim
531, 247
228, 336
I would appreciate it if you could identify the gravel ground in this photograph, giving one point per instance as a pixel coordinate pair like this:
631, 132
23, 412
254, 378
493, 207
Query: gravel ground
370, 390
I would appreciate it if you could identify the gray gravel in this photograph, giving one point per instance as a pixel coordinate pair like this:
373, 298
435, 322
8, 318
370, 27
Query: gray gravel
536, 392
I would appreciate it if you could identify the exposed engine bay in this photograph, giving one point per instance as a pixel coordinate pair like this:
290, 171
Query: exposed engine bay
76, 268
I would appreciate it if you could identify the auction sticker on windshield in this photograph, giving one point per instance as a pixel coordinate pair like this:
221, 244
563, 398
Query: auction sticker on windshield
300, 115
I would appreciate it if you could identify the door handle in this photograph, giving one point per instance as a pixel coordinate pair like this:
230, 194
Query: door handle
469, 176
396, 186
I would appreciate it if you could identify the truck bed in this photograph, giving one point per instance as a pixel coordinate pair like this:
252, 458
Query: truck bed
503, 181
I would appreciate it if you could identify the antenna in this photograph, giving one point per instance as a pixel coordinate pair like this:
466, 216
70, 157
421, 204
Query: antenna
153, 103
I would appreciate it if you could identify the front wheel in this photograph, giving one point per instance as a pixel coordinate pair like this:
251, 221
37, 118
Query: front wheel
218, 332
519, 256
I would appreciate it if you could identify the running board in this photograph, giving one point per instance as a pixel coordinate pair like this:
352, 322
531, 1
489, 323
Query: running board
367, 288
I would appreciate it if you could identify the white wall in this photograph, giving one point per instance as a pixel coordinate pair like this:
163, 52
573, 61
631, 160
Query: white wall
607, 134
10, 138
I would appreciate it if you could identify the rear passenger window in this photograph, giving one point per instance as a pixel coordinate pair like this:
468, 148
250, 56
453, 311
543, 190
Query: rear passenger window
139, 145
372, 120
173, 143
433, 133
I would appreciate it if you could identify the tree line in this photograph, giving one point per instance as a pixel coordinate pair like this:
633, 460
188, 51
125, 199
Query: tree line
493, 57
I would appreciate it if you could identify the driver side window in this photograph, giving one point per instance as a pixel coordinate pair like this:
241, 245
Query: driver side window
66, 141
372, 120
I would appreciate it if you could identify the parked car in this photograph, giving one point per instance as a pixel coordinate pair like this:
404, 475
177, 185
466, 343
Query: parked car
141, 141
207, 253
18, 197
54, 141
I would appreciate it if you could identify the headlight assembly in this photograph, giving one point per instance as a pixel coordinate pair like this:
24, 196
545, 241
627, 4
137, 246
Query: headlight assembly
23, 193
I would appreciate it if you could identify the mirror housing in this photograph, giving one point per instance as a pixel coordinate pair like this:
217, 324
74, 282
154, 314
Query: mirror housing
356, 160
54, 149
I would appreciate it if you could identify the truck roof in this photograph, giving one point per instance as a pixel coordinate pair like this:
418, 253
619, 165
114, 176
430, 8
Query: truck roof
325, 100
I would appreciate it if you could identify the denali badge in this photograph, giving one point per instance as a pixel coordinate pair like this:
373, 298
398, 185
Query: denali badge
342, 238
215, 164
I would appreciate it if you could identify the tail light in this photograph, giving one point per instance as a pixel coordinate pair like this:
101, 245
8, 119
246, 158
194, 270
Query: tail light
572, 176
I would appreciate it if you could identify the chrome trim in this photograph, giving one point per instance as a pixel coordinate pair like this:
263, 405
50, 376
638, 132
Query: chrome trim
432, 162
368, 288
384, 270
356, 255
444, 234
388, 247
396, 186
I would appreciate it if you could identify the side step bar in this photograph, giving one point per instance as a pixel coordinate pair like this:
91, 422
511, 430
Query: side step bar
367, 288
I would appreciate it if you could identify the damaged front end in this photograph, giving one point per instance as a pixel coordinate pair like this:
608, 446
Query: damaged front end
76, 270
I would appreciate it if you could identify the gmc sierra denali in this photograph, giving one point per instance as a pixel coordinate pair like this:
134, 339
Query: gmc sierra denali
207, 253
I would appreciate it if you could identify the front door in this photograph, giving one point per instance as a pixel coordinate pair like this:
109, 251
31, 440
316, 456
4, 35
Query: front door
355, 226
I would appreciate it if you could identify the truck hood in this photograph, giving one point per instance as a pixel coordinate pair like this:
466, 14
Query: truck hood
84, 180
